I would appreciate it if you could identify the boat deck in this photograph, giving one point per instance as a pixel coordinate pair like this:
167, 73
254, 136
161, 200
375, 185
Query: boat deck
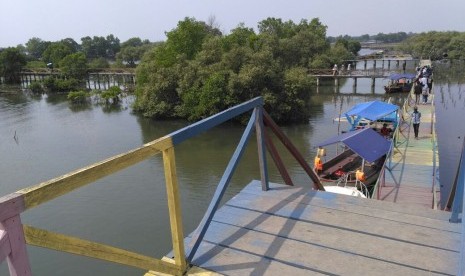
298, 231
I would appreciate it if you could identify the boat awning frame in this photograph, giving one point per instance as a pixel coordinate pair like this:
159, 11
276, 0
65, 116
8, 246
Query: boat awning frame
399, 76
366, 142
374, 110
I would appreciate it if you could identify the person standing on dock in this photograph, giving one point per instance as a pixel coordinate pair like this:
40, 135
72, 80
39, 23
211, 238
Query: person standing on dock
416, 115
335, 70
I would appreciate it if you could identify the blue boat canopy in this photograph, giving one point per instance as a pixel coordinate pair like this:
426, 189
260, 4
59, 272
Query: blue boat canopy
399, 76
365, 142
374, 110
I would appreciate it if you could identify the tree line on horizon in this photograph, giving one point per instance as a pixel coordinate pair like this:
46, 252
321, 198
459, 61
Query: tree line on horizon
198, 71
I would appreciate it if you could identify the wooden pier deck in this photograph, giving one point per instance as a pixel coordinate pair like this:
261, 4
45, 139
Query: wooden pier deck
299, 231
412, 178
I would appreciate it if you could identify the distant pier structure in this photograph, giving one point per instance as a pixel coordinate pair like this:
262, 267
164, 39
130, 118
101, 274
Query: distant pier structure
101, 79
380, 67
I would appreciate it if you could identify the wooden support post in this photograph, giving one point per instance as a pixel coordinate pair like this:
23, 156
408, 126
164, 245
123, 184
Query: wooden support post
293, 150
336, 81
98, 80
382, 66
277, 159
317, 82
373, 82
18, 261
355, 82
374, 64
365, 64
174, 205
259, 129
389, 64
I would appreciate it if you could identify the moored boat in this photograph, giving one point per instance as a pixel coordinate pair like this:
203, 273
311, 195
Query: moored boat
365, 149
400, 83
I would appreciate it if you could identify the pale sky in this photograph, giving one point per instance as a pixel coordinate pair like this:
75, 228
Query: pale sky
53, 20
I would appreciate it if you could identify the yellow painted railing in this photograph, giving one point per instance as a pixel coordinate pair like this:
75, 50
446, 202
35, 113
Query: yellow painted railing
14, 235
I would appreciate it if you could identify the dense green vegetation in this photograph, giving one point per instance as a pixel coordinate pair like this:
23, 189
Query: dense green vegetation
198, 71
378, 38
436, 45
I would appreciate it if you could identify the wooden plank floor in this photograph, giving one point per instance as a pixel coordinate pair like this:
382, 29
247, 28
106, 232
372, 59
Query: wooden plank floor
298, 231
411, 177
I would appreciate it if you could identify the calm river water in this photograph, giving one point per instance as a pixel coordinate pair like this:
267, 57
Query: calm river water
128, 209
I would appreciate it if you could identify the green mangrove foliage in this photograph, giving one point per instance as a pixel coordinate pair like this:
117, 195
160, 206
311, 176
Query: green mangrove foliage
436, 45
198, 71
11, 62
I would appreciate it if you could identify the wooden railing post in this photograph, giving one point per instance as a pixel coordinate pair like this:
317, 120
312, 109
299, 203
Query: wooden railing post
259, 129
174, 206
18, 261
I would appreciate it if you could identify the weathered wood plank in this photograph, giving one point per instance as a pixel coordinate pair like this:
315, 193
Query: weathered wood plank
305, 255
5, 248
192, 271
64, 243
11, 205
174, 207
61, 185
229, 261
18, 261
375, 248
351, 221
370, 207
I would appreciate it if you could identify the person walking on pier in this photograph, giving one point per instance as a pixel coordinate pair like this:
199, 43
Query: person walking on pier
424, 92
417, 91
416, 115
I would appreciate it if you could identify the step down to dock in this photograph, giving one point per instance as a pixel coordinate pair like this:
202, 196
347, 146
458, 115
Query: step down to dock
297, 231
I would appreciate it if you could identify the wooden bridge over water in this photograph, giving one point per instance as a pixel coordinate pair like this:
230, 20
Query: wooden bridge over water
268, 228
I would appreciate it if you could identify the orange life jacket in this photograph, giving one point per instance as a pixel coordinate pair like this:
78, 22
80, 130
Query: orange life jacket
360, 175
318, 165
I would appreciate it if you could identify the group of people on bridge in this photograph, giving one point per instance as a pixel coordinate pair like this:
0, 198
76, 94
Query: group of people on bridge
343, 70
423, 84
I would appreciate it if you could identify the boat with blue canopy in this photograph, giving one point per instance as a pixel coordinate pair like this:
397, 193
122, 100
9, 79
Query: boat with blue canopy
365, 148
373, 114
400, 82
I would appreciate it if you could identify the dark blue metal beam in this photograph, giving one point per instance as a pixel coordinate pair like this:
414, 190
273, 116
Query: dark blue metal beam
183, 134
199, 233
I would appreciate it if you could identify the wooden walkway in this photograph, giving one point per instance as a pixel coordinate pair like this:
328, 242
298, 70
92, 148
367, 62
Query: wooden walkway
413, 170
298, 231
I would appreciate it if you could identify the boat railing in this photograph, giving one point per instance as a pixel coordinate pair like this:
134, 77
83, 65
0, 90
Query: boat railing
348, 176
14, 235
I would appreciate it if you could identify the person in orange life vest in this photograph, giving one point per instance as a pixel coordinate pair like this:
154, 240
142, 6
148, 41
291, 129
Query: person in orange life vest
318, 166
360, 175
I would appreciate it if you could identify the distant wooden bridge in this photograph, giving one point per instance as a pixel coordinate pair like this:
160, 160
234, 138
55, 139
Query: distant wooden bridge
96, 78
